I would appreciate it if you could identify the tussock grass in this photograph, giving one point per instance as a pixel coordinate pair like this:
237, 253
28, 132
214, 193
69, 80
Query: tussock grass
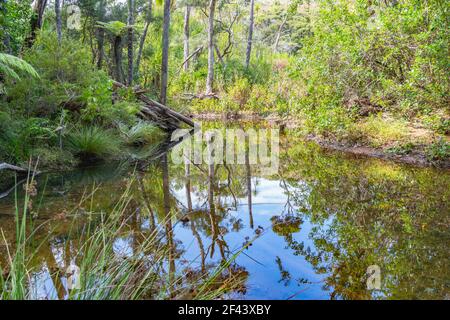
93, 142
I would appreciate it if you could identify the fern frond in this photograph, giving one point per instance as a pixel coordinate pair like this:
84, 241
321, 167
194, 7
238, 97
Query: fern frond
8, 72
10, 64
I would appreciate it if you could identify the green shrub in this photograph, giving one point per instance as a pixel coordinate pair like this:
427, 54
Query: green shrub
439, 151
93, 143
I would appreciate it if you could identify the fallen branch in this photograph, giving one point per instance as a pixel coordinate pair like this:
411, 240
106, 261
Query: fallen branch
6, 166
199, 49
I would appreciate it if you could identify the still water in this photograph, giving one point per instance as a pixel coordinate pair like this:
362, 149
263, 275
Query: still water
314, 228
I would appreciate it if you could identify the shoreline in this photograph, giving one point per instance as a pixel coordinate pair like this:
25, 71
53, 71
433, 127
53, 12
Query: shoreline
416, 157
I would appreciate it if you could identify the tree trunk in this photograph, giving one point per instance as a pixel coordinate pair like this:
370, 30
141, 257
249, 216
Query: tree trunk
144, 36
100, 47
277, 40
117, 57
58, 20
36, 21
210, 77
165, 52
101, 36
187, 14
130, 41
250, 33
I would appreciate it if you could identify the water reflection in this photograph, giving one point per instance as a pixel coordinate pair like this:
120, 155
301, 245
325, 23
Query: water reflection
316, 226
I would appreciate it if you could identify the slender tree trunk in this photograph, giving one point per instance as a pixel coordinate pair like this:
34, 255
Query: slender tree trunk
144, 36
210, 77
36, 21
187, 15
130, 41
250, 33
165, 52
277, 40
58, 20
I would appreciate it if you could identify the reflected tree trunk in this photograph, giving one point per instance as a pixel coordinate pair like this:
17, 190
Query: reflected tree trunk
249, 186
215, 230
192, 222
54, 271
168, 222
147, 203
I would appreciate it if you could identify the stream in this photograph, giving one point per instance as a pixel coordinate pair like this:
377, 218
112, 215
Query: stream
321, 227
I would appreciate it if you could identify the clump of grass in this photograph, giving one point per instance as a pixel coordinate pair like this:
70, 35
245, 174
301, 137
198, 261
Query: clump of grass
378, 131
93, 142
141, 133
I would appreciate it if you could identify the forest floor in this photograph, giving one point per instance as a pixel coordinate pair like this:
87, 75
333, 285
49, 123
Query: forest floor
415, 145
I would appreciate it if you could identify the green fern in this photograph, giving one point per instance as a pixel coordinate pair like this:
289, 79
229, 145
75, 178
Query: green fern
117, 28
11, 66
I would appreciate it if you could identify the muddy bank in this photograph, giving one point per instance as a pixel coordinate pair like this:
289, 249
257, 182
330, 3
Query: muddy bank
415, 157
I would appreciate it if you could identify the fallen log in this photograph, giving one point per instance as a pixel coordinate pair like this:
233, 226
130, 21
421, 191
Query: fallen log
159, 112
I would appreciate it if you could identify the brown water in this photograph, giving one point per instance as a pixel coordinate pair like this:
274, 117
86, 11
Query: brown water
321, 222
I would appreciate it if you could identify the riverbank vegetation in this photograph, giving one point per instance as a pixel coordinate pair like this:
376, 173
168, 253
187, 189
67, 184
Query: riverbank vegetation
371, 73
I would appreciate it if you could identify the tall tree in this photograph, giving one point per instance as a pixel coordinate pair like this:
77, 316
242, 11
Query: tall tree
210, 77
187, 15
36, 21
144, 35
101, 34
165, 52
58, 20
130, 41
250, 33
